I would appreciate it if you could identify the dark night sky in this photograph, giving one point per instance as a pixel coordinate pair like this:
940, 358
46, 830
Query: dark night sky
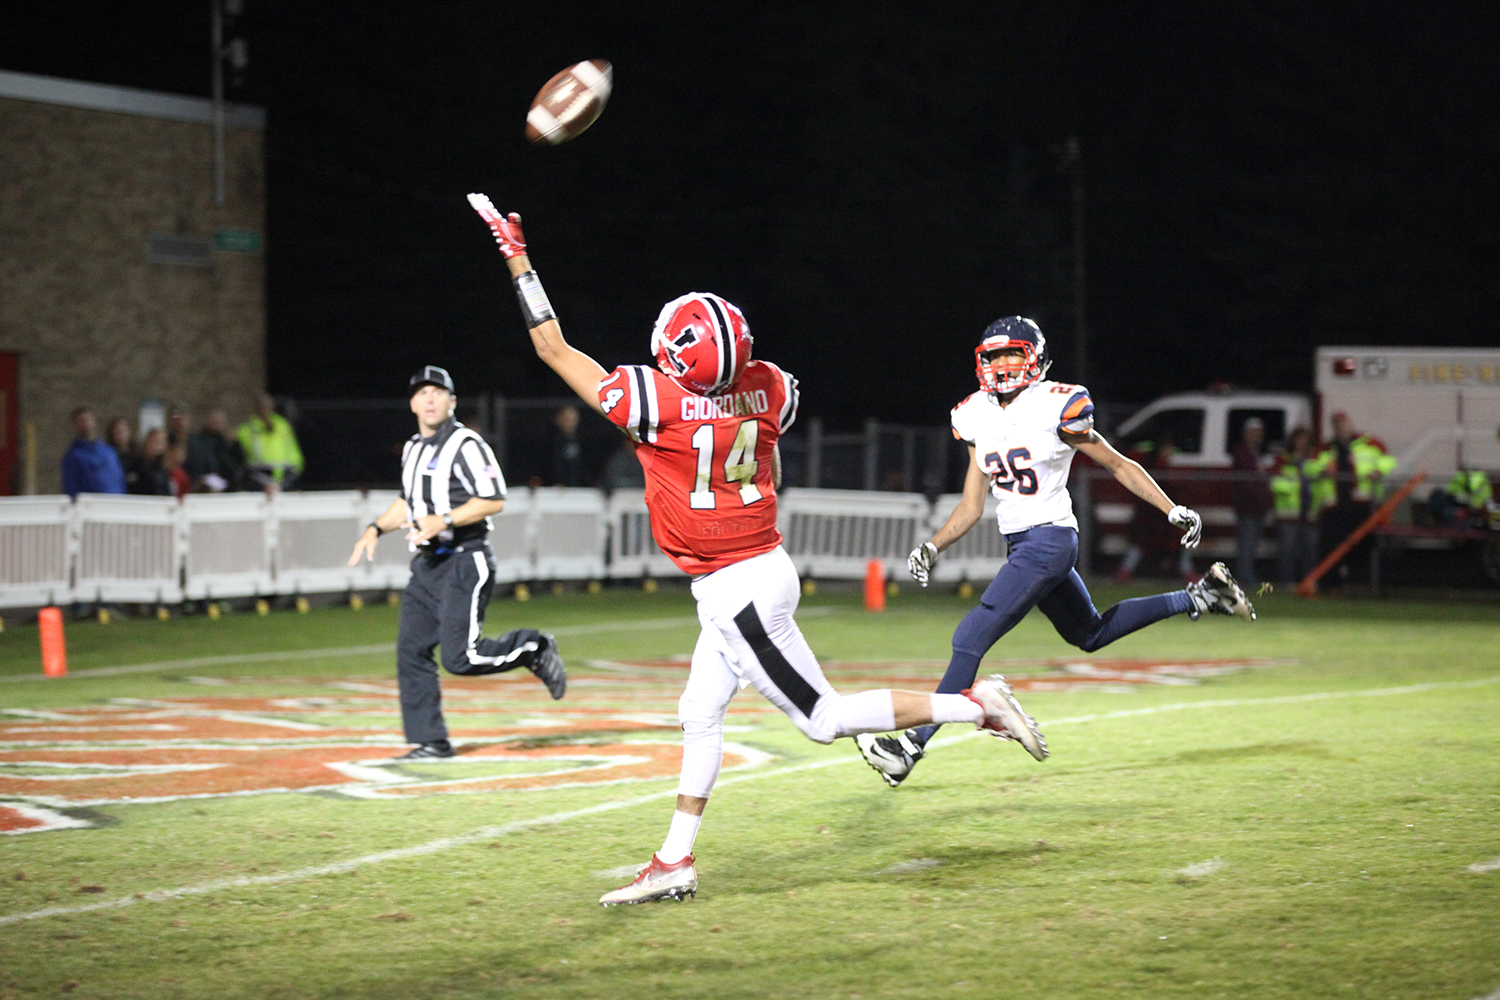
871, 182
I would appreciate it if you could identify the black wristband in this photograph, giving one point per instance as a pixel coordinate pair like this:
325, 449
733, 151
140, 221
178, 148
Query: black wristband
534, 305
376, 526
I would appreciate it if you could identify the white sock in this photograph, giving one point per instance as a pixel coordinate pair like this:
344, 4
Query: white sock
865, 712
680, 837
956, 708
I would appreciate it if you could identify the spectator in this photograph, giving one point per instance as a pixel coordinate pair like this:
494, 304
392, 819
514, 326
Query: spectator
214, 459
1251, 495
178, 425
172, 459
1151, 544
273, 459
623, 470
567, 450
122, 440
1301, 487
1463, 501
1359, 465
153, 478
90, 465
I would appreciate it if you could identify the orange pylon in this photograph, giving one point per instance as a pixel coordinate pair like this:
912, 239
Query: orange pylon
875, 585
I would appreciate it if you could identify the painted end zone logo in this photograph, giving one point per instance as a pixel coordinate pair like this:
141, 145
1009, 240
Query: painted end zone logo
340, 736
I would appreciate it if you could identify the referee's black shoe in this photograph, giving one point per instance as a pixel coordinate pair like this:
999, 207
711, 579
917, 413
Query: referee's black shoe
436, 750
548, 667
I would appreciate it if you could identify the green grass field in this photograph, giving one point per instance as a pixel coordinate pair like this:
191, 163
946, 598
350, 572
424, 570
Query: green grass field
1322, 823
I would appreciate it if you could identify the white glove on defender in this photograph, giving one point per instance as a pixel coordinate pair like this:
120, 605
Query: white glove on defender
921, 561
1191, 523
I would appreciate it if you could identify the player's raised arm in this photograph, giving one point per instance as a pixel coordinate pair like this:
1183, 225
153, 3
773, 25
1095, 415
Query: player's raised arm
582, 373
1133, 476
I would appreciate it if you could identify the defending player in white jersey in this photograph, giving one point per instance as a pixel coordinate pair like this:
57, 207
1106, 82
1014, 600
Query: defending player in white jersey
1022, 432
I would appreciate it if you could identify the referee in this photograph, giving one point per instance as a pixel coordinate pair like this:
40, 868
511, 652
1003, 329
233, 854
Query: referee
450, 485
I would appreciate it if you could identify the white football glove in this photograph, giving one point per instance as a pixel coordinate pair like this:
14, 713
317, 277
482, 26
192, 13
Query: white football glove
921, 561
1191, 523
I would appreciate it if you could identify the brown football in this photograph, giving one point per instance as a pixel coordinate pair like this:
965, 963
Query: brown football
569, 103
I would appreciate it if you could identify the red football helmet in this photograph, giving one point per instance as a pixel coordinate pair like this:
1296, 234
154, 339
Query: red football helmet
701, 342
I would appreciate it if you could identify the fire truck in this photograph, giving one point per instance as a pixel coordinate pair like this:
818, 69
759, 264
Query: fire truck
1436, 410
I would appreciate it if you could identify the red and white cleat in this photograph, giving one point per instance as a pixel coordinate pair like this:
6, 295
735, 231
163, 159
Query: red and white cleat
656, 881
1004, 717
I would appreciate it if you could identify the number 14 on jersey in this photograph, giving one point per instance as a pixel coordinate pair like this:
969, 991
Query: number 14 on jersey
740, 465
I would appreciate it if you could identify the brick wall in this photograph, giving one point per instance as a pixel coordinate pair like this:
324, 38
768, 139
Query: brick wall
95, 321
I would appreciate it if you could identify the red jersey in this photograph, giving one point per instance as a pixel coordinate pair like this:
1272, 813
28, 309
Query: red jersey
707, 459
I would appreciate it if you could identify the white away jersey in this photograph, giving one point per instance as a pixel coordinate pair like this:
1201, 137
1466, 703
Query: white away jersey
1021, 449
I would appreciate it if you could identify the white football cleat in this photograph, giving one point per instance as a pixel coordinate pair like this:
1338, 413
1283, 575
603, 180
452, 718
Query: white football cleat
656, 881
1004, 717
892, 757
1219, 594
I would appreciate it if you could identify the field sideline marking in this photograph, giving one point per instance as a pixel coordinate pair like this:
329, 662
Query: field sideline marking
640, 625
493, 832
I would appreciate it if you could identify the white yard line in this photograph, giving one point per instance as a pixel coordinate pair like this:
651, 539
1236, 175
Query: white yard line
643, 625
213, 661
494, 832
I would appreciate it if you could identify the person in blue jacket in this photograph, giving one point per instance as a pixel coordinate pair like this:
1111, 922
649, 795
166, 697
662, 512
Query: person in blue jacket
90, 465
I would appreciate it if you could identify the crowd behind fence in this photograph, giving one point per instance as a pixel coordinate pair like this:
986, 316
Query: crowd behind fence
142, 549
127, 549
356, 443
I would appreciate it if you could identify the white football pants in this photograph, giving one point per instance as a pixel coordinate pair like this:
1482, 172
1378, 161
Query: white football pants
749, 637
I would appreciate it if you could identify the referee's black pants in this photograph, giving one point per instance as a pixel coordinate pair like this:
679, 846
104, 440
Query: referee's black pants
444, 606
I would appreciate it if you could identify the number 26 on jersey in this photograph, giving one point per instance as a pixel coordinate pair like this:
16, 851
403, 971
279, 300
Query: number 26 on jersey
1009, 474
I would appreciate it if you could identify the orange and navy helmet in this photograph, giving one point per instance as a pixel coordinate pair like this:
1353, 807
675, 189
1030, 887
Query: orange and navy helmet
1002, 373
701, 342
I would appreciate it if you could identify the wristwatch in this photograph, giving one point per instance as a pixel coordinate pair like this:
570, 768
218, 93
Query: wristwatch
448, 520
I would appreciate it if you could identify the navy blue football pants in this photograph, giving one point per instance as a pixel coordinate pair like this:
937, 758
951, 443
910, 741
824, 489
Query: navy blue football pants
1039, 573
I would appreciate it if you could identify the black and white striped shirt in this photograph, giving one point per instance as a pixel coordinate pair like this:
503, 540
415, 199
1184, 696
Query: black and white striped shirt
444, 471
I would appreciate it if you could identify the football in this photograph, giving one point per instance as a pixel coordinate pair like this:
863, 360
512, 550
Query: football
569, 103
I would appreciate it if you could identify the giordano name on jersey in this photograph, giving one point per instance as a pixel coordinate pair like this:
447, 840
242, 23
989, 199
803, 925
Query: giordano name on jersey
733, 404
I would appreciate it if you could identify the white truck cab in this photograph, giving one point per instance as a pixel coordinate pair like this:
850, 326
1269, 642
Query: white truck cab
1206, 426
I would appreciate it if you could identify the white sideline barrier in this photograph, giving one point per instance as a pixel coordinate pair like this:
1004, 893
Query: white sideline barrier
834, 533
314, 534
37, 544
391, 568
632, 551
977, 556
149, 549
129, 549
513, 537
228, 543
569, 532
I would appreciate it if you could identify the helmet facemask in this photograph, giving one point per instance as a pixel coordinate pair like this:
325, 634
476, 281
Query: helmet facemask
1004, 373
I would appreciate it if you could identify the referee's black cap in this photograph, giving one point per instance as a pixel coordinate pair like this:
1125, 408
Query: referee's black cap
432, 375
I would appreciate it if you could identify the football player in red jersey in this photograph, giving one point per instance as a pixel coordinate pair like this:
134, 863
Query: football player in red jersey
705, 423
